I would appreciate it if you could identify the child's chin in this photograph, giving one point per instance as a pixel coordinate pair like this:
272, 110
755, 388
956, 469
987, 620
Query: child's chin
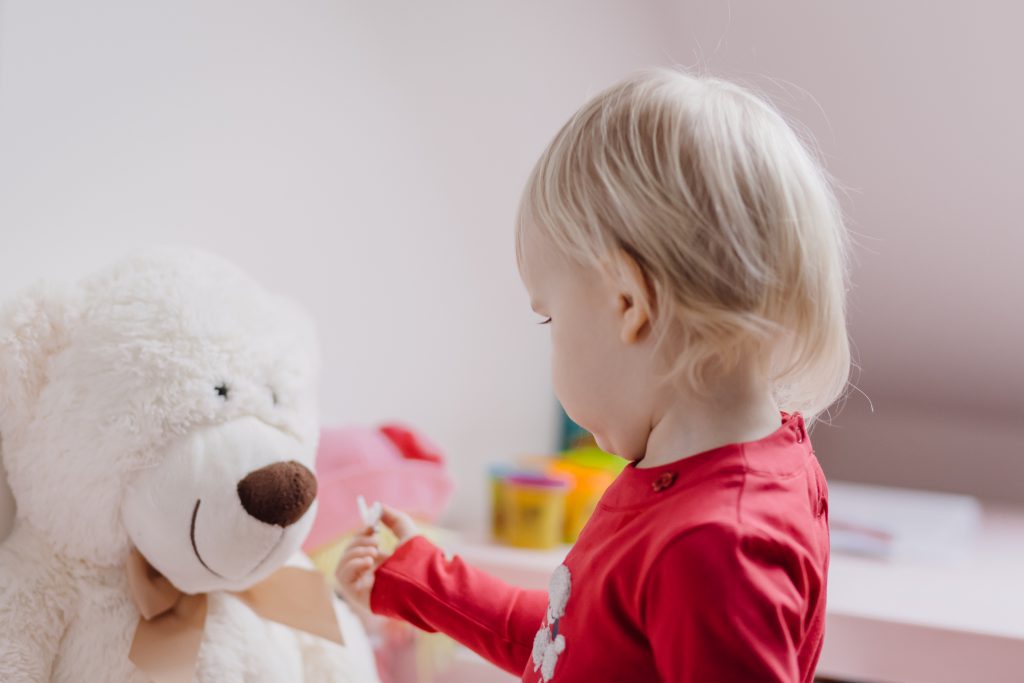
608, 448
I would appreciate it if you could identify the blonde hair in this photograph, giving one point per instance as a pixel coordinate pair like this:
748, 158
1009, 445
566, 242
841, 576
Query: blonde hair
729, 215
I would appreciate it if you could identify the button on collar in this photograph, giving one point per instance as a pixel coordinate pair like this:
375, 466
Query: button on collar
797, 423
663, 482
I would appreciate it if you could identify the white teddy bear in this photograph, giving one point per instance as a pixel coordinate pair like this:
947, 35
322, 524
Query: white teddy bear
166, 405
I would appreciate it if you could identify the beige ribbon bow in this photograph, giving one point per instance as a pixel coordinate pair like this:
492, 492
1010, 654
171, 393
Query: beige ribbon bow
170, 630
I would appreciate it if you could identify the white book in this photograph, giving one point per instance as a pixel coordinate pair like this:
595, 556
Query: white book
904, 524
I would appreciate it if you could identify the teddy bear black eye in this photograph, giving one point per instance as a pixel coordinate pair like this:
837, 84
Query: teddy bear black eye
222, 390
273, 397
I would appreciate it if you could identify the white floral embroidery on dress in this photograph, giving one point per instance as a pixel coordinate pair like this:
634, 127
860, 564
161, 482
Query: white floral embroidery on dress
549, 643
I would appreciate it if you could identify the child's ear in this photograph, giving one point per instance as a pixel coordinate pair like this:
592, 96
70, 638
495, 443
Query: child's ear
33, 327
635, 299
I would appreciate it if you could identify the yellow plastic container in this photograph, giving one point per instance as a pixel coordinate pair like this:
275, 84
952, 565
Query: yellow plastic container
588, 485
498, 524
534, 510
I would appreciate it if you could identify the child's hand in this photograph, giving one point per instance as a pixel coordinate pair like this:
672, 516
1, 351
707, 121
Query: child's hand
361, 558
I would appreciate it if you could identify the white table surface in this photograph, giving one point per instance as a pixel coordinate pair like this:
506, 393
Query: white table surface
888, 621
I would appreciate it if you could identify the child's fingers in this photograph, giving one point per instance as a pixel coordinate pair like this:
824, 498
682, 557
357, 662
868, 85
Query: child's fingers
363, 583
400, 523
358, 553
369, 539
351, 570
356, 565
361, 551
362, 542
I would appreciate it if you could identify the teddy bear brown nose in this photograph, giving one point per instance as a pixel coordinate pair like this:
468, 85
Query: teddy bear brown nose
278, 494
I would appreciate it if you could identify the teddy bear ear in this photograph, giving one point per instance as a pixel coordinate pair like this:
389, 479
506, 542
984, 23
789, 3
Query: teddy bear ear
34, 325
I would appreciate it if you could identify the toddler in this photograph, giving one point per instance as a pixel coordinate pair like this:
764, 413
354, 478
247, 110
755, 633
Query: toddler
688, 255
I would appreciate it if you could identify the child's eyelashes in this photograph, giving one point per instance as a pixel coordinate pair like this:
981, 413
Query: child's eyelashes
546, 321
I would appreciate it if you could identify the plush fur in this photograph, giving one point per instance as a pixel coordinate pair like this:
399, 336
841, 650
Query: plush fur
131, 407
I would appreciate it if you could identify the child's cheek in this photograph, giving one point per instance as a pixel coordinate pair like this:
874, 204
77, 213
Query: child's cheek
572, 377
560, 372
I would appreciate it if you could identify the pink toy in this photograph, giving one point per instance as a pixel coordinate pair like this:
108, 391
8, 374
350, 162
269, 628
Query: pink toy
391, 464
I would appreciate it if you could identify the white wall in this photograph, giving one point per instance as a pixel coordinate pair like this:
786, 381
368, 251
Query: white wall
366, 158
363, 157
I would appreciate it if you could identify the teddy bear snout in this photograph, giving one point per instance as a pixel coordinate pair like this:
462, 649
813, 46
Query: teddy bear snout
278, 494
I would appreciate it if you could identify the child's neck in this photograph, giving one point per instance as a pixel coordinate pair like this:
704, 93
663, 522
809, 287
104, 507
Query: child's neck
741, 409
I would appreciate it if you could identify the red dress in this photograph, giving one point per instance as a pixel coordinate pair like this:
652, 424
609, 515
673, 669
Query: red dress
708, 569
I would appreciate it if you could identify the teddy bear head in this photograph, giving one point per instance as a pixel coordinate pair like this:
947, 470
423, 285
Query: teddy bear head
167, 403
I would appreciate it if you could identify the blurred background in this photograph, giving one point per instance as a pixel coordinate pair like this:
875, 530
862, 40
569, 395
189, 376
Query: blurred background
366, 158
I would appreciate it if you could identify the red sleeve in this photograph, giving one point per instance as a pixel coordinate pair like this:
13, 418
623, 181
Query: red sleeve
722, 607
497, 621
